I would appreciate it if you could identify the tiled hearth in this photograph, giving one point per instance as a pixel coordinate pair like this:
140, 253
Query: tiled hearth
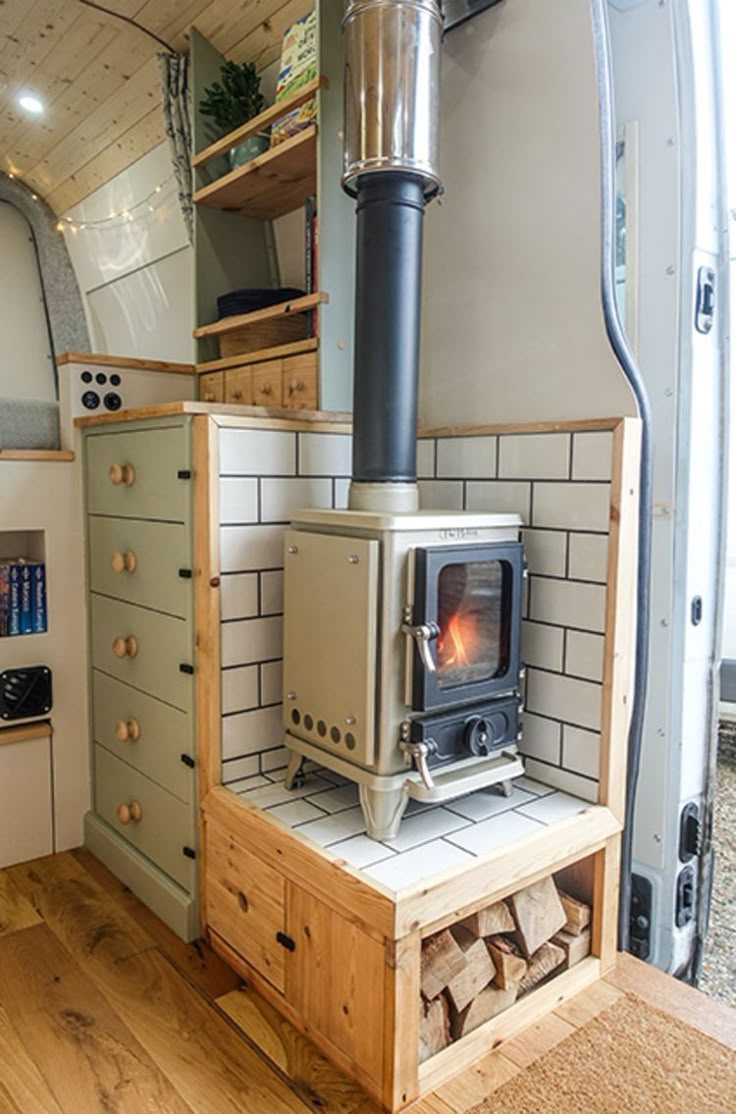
558, 481
432, 838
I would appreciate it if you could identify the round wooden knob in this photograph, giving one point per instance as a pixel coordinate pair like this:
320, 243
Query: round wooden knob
121, 474
209, 397
237, 395
127, 729
126, 813
125, 647
265, 389
124, 562
296, 385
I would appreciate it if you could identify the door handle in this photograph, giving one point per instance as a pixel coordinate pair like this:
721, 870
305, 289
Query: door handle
423, 634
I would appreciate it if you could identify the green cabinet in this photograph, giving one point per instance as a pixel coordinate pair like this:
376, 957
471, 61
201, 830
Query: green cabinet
144, 822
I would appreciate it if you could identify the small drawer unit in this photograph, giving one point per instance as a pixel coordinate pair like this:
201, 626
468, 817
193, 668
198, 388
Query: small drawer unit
143, 824
212, 386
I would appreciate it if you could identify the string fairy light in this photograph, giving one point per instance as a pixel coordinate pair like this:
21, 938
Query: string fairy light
124, 216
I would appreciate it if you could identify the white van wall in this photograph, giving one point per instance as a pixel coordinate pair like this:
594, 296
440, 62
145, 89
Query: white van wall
513, 328
26, 368
136, 275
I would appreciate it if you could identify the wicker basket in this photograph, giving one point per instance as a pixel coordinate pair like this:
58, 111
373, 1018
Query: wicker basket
263, 334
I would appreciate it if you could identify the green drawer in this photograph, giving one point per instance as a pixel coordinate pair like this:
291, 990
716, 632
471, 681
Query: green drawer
155, 735
152, 459
140, 561
165, 826
163, 644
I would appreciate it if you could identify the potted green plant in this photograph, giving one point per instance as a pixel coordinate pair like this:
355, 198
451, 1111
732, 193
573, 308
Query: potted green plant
233, 101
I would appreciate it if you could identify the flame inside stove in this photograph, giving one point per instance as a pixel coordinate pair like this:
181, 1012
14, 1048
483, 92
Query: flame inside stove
453, 643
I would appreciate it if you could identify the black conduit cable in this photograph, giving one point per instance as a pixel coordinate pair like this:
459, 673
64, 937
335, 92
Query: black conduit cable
620, 345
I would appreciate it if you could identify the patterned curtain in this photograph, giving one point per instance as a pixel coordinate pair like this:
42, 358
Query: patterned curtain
175, 95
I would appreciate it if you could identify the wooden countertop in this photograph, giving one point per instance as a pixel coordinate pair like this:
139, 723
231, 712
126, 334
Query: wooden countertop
129, 362
216, 410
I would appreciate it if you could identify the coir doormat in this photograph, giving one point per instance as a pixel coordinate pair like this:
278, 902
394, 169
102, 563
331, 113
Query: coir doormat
631, 1059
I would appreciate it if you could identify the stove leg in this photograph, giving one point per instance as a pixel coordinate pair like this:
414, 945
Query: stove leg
382, 811
294, 771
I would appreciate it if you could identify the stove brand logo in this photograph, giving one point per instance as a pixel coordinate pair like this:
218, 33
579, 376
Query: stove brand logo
457, 533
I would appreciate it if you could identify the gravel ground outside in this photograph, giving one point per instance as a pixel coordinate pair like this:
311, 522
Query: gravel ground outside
719, 963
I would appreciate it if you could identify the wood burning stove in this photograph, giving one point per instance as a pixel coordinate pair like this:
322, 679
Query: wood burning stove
402, 628
401, 653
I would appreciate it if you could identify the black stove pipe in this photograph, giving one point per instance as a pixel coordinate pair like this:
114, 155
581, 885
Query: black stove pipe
392, 55
390, 214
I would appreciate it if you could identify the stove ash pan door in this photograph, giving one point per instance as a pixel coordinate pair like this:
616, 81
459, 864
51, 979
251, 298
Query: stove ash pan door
330, 621
468, 599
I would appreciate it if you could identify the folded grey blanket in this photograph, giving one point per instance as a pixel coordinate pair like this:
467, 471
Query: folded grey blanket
26, 423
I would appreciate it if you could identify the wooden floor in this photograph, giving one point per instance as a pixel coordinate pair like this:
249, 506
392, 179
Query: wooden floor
103, 1009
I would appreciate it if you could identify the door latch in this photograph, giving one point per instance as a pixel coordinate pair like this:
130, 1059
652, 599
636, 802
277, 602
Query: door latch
285, 941
423, 634
705, 299
419, 752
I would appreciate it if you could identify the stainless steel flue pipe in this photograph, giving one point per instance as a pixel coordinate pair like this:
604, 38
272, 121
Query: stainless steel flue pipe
392, 56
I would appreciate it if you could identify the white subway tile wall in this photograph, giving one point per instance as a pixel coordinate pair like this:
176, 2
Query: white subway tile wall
560, 483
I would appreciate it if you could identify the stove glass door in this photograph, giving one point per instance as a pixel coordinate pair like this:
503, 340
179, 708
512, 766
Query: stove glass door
469, 596
473, 643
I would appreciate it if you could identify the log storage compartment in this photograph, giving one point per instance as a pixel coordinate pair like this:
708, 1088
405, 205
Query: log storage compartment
480, 966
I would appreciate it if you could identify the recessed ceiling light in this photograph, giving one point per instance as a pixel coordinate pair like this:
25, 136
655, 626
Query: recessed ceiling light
30, 103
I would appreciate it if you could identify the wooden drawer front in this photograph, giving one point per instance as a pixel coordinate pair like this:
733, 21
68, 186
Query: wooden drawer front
299, 378
145, 733
246, 904
239, 386
267, 383
212, 387
161, 645
139, 561
166, 825
149, 461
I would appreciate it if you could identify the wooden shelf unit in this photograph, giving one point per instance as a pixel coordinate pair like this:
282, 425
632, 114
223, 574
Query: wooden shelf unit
243, 320
270, 185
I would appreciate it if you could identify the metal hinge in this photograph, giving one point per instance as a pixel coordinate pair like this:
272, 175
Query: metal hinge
185, 667
285, 941
184, 474
187, 760
189, 852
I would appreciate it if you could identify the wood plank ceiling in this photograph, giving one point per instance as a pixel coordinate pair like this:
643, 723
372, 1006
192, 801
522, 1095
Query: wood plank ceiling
98, 80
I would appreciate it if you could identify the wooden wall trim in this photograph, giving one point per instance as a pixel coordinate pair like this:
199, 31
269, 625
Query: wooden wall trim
23, 733
127, 362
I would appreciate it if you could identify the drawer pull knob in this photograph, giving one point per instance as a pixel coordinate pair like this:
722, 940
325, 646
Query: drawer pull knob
209, 397
296, 385
127, 730
265, 389
125, 647
124, 562
121, 474
243, 902
126, 813
237, 395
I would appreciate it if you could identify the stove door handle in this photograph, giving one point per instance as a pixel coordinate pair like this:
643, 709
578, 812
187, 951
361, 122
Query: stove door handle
419, 752
423, 634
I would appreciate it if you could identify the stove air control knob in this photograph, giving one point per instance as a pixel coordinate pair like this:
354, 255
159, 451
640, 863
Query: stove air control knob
478, 735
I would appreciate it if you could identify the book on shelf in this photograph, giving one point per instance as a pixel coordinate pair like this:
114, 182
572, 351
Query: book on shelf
310, 258
298, 66
22, 597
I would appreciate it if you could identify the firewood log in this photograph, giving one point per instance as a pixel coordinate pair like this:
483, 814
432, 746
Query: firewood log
434, 1027
442, 959
577, 913
491, 1001
507, 959
574, 947
545, 960
476, 974
487, 922
538, 913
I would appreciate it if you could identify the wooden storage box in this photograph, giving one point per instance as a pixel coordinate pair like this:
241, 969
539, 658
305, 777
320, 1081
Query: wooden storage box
263, 334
